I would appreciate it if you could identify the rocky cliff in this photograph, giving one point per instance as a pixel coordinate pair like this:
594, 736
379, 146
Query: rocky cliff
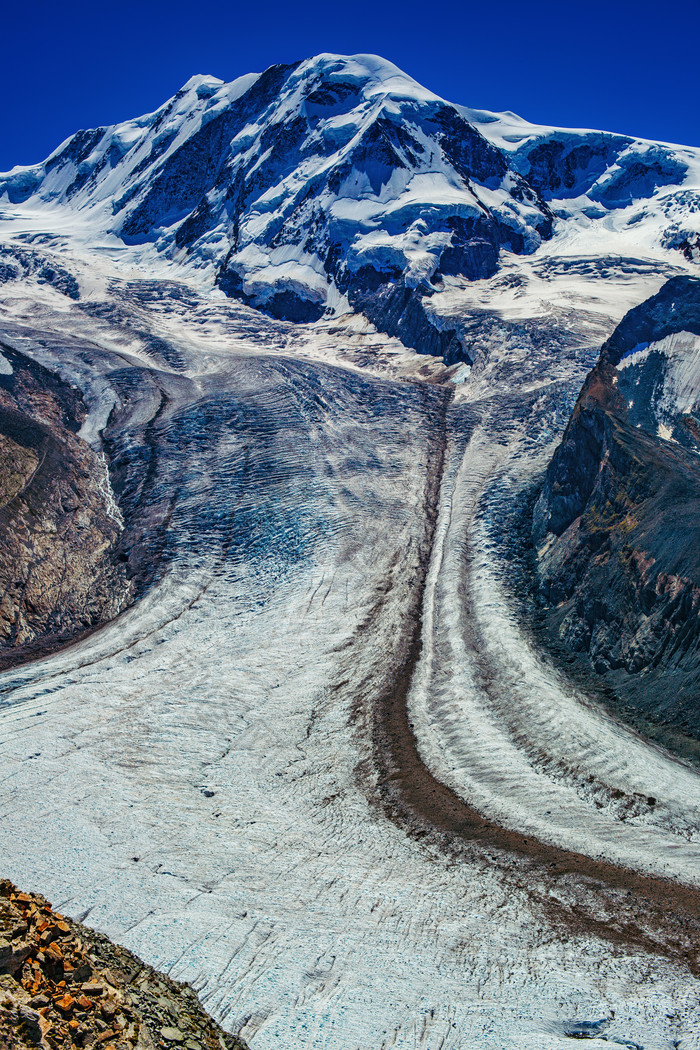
616, 524
60, 573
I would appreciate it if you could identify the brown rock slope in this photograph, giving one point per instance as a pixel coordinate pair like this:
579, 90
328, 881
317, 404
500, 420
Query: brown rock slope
59, 525
63, 985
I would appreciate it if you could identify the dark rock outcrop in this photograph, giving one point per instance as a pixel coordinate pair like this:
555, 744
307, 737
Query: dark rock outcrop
399, 310
616, 523
59, 524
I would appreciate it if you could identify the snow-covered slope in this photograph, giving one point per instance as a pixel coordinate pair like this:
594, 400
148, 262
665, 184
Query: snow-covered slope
661, 383
605, 183
655, 352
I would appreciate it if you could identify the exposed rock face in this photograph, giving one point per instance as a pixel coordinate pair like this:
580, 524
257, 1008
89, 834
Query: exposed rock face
59, 524
64, 985
617, 520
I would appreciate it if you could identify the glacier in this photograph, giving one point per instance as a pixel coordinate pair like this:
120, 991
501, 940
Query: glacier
319, 768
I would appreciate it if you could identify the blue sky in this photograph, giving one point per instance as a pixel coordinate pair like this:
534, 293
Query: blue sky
627, 67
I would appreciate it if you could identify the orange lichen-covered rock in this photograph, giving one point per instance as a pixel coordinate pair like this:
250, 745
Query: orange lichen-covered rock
81, 991
65, 1004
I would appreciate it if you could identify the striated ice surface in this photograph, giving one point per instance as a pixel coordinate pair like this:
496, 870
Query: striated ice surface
197, 778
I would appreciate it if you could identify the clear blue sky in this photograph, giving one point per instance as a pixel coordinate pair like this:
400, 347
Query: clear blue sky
621, 66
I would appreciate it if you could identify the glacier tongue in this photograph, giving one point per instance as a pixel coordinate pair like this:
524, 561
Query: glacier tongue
209, 757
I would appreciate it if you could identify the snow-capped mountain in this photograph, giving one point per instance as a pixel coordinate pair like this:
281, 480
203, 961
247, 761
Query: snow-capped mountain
340, 183
319, 766
335, 177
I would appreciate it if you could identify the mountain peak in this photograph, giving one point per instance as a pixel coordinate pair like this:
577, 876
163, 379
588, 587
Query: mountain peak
375, 72
333, 182
201, 80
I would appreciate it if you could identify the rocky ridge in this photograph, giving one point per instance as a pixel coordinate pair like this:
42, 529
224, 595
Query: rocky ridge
64, 985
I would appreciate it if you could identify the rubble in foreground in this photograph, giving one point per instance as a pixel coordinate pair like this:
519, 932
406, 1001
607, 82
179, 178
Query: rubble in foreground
64, 985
